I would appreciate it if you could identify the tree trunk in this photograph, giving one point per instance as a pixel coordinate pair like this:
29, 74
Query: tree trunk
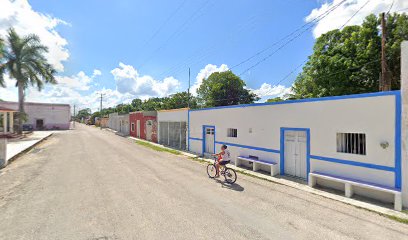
20, 107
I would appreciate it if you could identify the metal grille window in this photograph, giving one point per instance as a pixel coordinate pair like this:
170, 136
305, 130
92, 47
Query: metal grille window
232, 132
354, 143
132, 126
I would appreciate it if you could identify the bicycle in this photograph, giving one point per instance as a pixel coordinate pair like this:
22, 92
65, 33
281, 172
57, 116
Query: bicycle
229, 174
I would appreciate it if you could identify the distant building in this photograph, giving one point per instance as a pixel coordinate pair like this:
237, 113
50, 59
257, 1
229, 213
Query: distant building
144, 125
43, 116
119, 123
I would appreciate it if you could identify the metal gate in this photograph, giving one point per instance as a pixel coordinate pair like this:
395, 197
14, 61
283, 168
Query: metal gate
173, 134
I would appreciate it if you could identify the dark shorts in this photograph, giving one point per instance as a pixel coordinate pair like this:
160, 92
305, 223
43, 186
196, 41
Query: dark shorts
224, 162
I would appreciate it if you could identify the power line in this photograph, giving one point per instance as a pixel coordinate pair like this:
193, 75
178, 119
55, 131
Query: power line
178, 31
313, 21
165, 23
297, 67
356, 13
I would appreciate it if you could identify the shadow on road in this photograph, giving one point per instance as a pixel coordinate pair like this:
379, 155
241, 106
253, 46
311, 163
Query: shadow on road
234, 186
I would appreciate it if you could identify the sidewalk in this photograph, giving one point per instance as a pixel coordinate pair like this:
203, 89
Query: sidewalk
16, 147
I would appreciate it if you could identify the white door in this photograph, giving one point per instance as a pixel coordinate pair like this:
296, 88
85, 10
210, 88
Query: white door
295, 153
138, 128
149, 130
209, 140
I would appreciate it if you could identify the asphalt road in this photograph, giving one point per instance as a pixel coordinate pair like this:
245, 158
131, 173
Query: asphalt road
91, 184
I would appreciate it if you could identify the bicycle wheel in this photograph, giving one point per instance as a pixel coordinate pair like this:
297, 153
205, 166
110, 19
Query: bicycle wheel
230, 175
211, 170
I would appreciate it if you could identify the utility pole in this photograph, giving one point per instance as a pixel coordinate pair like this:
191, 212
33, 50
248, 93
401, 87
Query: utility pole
385, 81
188, 91
100, 113
74, 116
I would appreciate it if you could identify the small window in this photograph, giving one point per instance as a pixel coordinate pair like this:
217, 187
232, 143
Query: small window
132, 126
232, 132
354, 143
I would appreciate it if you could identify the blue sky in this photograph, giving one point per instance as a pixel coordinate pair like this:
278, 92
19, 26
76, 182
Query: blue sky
130, 49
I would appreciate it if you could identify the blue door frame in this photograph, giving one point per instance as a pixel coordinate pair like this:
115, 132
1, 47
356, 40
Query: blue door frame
282, 147
204, 141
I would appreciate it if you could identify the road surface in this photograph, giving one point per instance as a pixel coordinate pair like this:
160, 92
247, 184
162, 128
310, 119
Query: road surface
91, 184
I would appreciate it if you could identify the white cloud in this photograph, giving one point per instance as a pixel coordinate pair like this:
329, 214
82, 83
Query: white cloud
343, 13
128, 80
267, 90
80, 81
205, 73
25, 20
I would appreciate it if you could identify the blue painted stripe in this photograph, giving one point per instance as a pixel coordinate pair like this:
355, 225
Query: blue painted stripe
249, 147
398, 140
364, 95
188, 129
197, 139
353, 163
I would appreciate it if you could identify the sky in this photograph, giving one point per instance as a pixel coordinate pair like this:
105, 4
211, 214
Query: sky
130, 49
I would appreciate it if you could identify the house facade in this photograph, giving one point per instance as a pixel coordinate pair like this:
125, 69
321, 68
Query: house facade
119, 123
143, 124
172, 128
355, 137
44, 116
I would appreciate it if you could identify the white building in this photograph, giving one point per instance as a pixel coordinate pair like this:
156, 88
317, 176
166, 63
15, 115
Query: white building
350, 143
119, 123
44, 116
173, 127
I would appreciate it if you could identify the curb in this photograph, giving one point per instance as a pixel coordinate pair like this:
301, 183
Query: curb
27, 150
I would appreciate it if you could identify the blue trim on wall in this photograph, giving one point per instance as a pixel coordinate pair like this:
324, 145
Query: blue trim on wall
333, 98
248, 147
398, 140
197, 139
353, 163
282, 152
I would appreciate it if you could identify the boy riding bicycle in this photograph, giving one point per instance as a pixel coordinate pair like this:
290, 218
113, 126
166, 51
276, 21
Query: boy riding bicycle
224, 157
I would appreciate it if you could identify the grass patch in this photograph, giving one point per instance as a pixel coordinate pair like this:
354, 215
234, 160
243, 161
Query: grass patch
197, 159
398, 219
157, 148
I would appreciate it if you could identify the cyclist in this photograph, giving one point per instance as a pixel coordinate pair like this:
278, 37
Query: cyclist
224, 157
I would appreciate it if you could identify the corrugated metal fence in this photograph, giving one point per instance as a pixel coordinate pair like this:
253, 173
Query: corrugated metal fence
173, 134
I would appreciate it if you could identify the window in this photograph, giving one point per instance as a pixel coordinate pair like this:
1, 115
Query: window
232, 132
210, 131
354, 143
132, 126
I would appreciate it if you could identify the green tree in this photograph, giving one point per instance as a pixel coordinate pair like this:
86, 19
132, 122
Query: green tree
179, 100
223, 89
276, 99
25, 62
83, 114
348, 61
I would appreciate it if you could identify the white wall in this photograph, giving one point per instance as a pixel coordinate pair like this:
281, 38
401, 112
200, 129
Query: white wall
54, 115
119, 123
404, 142
173, 115
375, 116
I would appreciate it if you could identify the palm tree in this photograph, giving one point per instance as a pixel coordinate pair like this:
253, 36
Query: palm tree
24, 61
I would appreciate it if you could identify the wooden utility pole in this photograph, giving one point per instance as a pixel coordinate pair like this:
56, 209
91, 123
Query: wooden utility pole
100, 113
385, 81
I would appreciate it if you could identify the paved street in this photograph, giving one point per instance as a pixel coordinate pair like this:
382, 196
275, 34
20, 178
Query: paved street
91, 184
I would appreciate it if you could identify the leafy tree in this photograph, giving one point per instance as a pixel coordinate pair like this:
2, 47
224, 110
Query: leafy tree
179, 100
223, 89
276, 99
348, 61
83, 114
24, 61
137, 104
